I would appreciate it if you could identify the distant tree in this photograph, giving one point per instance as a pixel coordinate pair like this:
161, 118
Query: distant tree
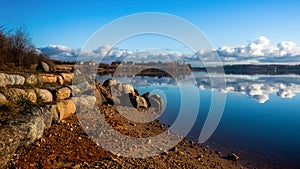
3, 46
20, 47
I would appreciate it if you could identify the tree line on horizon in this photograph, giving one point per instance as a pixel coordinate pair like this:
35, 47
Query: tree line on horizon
17, 51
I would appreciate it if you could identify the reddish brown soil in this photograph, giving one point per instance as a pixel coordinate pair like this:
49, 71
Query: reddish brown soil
66, 145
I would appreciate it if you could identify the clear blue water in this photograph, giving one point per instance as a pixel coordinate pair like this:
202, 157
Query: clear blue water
261, 118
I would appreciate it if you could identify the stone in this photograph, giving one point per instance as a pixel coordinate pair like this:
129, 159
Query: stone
84, 86
75, 90
9, 142
66, 108
31, 95
232, 156
109, 83
47, 78
3, 80
13, 93
31, 80
42, 66
68, 77
41, 112
157, 102
84, 103
141, 102
15, 79
127, 88
54, 113
31, 128
60, 80
63, 93
2, 99
44, 94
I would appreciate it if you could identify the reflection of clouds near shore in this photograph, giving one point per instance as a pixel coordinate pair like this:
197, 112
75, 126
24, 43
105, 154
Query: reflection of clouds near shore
259, 87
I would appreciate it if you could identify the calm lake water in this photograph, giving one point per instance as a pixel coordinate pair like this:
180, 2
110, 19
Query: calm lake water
261, 118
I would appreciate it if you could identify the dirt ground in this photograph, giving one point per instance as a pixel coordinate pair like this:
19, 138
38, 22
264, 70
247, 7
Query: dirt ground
66, 145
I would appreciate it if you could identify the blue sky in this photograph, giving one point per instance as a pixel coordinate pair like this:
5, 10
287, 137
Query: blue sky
231, 23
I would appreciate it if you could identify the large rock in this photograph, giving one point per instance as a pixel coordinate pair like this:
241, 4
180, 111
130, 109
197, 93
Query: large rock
156, 102
42, 66
47, 78
68, 77
15, 79
44, 95
75, 90
127, 88
31, 128
66, 108
84, 103
84, 86
9, 142
31, 95
109, 83
63, 93
14, 93
139, 102
31, 80
2, 99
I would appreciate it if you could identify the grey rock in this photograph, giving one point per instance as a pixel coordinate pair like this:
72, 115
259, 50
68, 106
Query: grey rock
42, 66
84, 103
15, 79
9, 142
31, 128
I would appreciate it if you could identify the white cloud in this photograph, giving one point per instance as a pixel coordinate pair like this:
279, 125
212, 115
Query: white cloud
258, 51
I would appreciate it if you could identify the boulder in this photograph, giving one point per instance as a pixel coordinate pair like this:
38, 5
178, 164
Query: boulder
2, 99
42, 66
13, 93
15, 79
109, 83
127, 88
75, 90
84, 103
68, 77
31, 80
41, 112
60, 80
3, 80
66, 108
156, 102
84, 86
146, 96
31, 95
31, 128
9, 142
63, 93
47, 78
139, 102
44, 95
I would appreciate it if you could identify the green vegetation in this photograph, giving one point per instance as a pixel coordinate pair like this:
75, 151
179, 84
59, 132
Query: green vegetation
12, 108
